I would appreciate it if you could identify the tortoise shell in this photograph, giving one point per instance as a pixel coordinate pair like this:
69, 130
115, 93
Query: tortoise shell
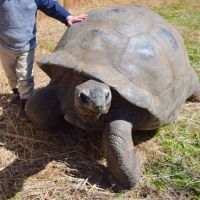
133, 50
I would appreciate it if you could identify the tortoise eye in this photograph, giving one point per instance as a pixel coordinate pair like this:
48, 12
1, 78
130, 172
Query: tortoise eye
107, 96
84, 98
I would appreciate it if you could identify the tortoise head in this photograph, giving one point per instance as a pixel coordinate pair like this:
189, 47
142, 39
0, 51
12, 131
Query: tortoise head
92, 99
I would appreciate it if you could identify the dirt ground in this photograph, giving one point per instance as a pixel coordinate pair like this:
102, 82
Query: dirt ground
55, 165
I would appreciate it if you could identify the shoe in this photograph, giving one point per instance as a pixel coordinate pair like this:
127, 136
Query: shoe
14, 97
22, 113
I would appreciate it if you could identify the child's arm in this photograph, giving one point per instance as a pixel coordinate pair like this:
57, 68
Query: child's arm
53, 9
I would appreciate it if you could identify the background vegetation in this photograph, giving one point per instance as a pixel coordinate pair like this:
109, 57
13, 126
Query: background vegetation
68, 164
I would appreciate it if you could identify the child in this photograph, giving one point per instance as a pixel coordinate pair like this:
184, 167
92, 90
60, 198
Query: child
18, 42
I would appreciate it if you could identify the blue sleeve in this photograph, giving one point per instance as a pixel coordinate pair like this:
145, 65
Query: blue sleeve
53, 9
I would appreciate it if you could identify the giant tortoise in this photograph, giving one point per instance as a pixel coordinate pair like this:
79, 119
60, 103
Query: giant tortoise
121, 69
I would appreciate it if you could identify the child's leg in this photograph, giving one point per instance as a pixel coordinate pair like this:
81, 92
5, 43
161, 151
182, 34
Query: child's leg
9, 61
24, 71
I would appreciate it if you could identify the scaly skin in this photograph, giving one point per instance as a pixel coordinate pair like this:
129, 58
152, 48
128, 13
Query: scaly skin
43, 109
120, 154
49, 106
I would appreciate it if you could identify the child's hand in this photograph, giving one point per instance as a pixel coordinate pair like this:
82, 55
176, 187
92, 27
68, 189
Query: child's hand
74, 19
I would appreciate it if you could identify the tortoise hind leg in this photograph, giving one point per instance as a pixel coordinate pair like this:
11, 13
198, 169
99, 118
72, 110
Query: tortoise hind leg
195, 97
43, 109
120, 154
194, 87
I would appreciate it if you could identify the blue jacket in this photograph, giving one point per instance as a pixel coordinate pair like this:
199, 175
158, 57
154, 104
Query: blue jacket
18, 21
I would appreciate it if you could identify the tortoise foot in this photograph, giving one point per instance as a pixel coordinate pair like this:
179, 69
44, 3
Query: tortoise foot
120, 154
194, 99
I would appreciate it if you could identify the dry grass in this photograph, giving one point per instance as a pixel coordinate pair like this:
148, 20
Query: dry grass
68, 164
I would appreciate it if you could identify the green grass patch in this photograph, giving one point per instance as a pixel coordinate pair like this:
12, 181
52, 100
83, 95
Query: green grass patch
177, 167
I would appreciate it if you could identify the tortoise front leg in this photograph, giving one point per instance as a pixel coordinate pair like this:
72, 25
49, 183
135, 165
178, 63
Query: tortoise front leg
120, 154
43, 109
